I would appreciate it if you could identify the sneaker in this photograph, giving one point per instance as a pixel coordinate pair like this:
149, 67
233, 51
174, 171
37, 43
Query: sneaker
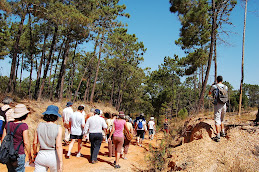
68, 156
79, 155
216, 139
94, 162
117, 166
222, 134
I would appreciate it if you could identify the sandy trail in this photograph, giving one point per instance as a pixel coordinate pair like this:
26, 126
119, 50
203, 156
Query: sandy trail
135, 158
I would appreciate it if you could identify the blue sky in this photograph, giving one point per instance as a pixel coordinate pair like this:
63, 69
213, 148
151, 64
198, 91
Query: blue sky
158, 28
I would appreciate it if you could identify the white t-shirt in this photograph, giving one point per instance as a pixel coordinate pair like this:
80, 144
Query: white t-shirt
77, 120
67, 112
84, 113
151, 125
95, 124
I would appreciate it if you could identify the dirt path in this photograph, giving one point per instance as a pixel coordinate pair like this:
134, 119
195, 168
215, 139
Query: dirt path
135, 162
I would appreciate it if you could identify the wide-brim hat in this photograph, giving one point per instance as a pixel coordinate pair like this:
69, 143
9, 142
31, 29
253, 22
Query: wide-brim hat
52, 109
20, 110
69, 104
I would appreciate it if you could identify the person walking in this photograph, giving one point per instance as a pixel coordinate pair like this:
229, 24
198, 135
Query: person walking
6, 113
20, 139
151, 128
140, 127
67, 112
126, 141
166, 126
77, 124
118, 136
49, 136
220, 96
94, 125
109, 122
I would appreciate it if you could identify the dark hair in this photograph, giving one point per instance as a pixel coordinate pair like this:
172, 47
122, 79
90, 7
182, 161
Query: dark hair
219, 79
107, 115
121, 116
22, 117
80, 108
50, 117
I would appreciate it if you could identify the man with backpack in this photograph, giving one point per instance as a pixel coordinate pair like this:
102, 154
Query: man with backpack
219, 92
140, 127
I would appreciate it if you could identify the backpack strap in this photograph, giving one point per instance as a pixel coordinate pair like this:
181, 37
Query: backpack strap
8, 128
16, 128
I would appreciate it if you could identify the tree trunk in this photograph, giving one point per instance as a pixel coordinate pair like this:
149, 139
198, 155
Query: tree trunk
48, 61
30, 80
50, 73
78, 87
213, 31
73, 74
61, 78
21, 75
112, 92
87, 88
31, 56
55, 72
215, 59
242, 66
37, 86
97, 70
12, 79
17, 66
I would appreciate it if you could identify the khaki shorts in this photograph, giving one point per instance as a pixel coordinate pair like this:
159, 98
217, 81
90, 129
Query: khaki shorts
219, 113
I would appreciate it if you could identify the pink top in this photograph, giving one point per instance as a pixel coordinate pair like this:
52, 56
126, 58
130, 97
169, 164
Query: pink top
119, 127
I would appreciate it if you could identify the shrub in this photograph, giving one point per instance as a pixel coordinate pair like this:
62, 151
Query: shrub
183, 113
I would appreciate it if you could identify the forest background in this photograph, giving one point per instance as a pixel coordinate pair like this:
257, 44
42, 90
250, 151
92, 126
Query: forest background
85, 51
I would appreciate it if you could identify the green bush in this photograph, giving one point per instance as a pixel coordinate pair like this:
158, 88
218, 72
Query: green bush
183, 113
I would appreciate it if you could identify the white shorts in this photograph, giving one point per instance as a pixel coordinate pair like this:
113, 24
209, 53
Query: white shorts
219, 113
46, 159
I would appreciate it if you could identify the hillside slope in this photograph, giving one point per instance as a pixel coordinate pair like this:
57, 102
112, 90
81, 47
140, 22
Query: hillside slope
238, 151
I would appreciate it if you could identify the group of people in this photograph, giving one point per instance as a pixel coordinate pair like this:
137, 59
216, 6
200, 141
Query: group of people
96, 127
47, 145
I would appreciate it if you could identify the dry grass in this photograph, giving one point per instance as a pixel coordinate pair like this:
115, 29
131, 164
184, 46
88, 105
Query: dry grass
38, 107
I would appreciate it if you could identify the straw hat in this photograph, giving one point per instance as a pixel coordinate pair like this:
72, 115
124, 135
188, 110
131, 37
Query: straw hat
20, 110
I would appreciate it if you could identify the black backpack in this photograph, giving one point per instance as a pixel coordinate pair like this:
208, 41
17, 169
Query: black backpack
2, 113
7, 152
221, 94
